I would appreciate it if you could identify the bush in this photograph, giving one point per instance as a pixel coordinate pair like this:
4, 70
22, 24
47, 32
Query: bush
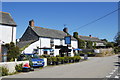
41, 56
61, 59
4, 71
57, 55
66, 59
30, 63
71, 59
49, 60
0, 71
89, 45
90, 54
116, 50
77, 58
46, 55
13, 51
77, 55
54, 59
18, 67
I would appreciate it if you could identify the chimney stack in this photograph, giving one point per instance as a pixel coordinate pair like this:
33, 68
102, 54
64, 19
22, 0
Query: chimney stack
31, 23
90, 35
65, 30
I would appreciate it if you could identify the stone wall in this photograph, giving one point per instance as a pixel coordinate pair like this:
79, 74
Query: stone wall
104, 52
109, 50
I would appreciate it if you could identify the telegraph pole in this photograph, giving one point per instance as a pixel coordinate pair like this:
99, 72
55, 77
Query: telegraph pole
118, 16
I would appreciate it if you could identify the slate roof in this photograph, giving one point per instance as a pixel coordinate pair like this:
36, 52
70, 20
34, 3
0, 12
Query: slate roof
50, 33
94, 39
6, 19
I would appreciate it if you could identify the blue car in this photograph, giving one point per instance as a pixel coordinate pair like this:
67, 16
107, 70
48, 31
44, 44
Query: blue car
34, 58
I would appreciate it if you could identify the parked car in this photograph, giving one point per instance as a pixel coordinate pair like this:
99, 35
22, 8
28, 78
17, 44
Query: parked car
34, 58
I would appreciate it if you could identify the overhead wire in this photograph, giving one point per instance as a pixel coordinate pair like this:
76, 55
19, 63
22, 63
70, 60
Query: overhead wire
95, 20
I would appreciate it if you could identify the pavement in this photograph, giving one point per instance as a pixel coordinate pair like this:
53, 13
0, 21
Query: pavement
94, 67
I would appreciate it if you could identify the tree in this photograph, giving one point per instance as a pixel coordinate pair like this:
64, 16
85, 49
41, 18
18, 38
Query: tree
117, 38
89, 44
109, 44
75, 35
13, 51
81, 43
94, 46
104, 40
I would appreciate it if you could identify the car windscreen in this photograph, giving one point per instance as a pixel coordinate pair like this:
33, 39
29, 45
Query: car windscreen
32, 56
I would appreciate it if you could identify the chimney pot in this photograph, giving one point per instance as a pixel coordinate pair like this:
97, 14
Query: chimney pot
90, 35
65, 30
31, 22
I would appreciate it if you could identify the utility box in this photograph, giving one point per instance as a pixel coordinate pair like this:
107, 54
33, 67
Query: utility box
85, 56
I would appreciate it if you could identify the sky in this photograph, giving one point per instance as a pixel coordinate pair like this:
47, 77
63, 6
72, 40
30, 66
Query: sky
54, 15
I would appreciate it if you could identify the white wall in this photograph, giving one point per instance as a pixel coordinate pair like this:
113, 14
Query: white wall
30, 48
64, 42
74, 44
42, 42
45, 42
6, 33
56, 41
11, 65
14, 34
100, 44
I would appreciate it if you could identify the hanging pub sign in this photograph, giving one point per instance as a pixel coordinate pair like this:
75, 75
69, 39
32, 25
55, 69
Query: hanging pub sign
67, 39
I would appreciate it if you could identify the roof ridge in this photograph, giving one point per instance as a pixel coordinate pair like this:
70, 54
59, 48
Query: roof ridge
5, 12
87, 36
46, 28
83, 36
51, 32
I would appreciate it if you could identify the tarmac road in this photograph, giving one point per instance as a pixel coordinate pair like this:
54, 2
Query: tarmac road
95, 67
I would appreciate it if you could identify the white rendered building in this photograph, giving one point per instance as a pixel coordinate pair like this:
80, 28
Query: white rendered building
46, 41
7, 31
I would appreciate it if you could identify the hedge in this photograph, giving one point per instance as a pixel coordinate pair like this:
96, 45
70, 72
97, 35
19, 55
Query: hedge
62, 60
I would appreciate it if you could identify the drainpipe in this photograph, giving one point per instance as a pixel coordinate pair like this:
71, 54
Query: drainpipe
40, 45
12, 34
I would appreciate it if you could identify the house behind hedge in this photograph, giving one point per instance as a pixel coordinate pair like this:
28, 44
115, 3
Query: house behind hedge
99, 43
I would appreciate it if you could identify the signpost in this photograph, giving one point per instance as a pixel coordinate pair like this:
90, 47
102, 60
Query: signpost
67, 41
